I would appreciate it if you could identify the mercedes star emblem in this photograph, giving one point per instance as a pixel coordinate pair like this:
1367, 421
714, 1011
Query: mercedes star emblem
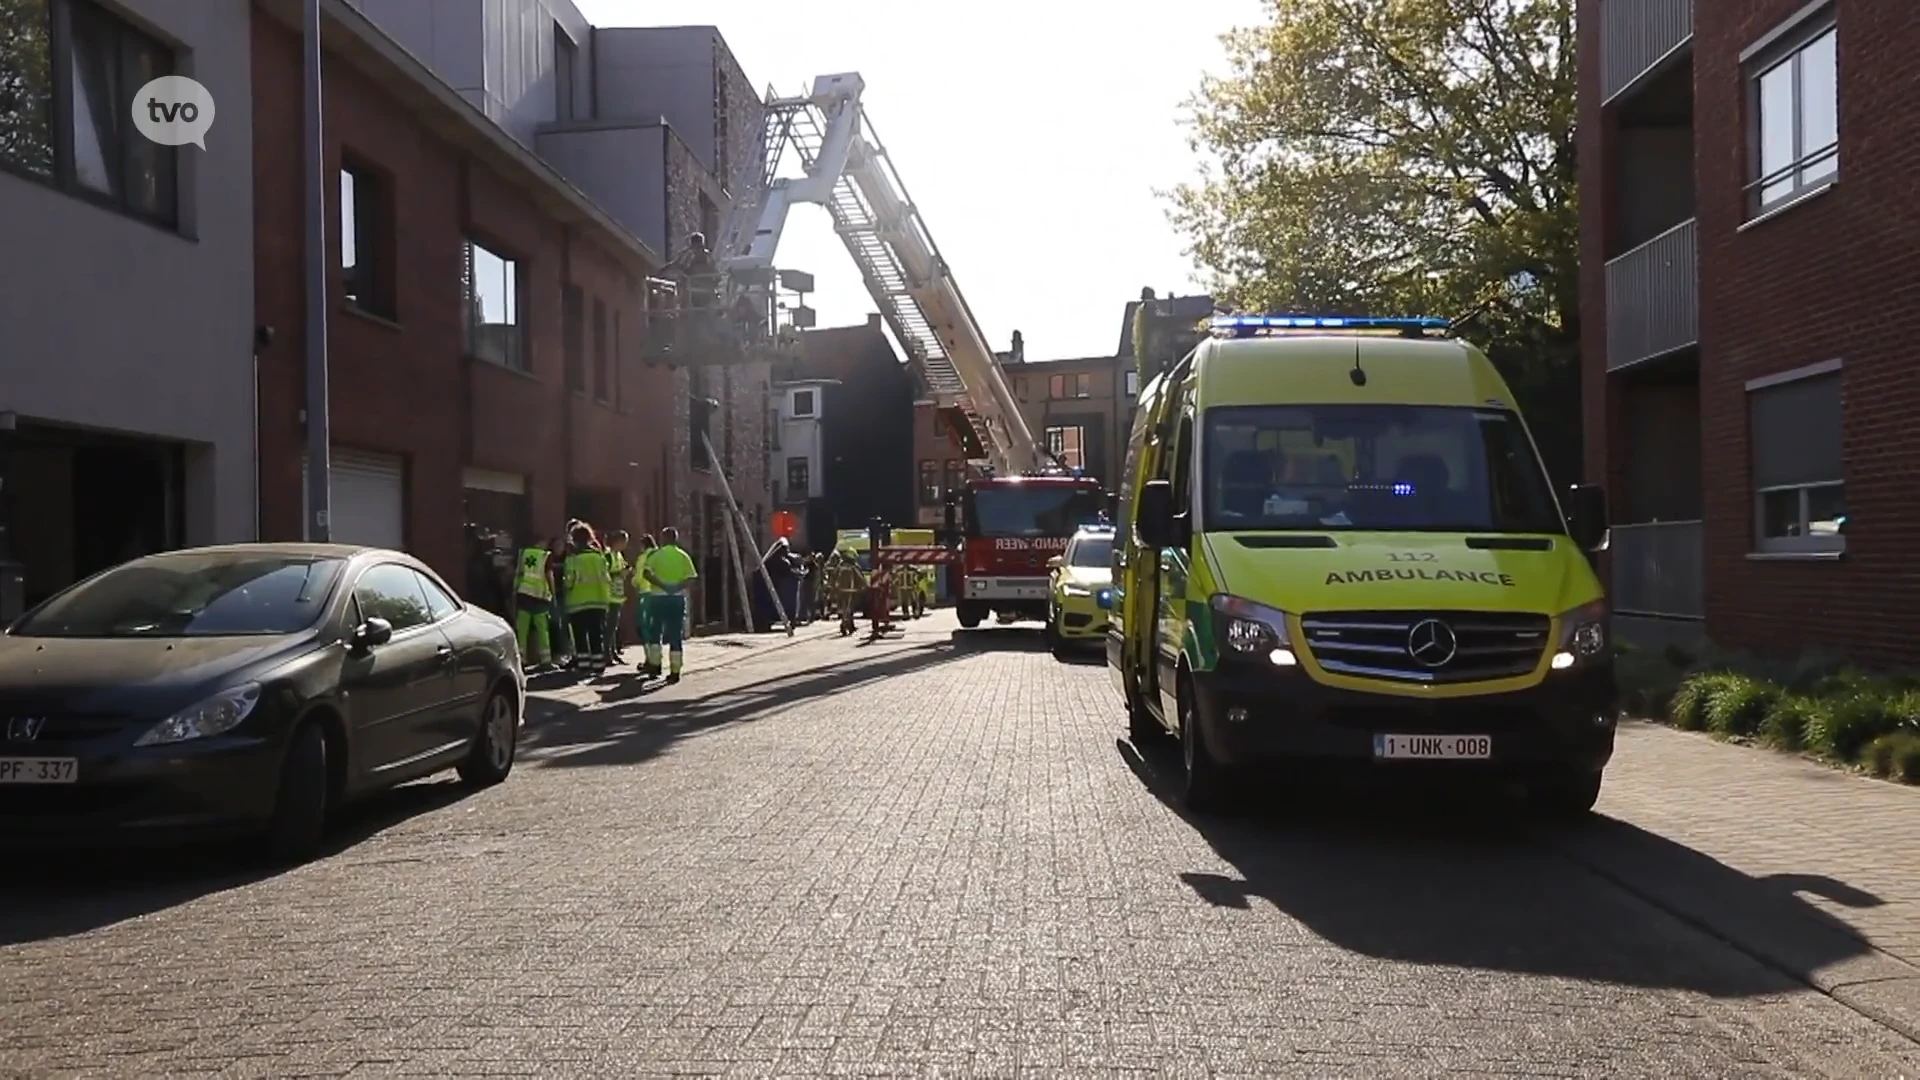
1432, 643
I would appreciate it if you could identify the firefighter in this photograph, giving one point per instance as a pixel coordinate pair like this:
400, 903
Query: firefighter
533, 597
669, 570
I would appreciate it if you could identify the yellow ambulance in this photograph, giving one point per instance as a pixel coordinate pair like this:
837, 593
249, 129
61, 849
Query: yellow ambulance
1341, 548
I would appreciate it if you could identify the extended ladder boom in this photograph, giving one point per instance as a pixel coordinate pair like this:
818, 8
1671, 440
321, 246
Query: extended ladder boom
848, 172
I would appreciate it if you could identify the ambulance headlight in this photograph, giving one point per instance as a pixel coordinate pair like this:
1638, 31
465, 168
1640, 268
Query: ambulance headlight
1250, 630
1583, 636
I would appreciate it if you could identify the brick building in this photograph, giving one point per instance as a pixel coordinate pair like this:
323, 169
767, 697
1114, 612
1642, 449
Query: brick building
1080, 409
1749, 388
940, 465
485, 319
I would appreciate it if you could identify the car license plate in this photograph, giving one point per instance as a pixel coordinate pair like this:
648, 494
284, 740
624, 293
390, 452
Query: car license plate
1433, 747
39, 770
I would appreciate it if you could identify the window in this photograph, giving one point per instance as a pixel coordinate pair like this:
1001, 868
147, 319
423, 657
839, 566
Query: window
439, 604
573, 337
1068, 444
495, 331
1794, 107
1020, 387
799, 483
566, 57
929, 483
68, 70
773, 429
619, 361
191, 595
939, 424
363, 250
956, 477
1062, 387
803, 403
1133, 383
1412, 468
602, 377
393, 592
1028, 510
1794, 431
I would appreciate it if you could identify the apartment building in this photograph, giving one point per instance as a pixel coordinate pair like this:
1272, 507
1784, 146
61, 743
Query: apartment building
484, 322
1080, 409
662, 128
940, 465
126, 318
1746, 238
866, 469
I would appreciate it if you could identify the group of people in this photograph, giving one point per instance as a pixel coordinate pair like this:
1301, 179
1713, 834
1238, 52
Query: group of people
572, 596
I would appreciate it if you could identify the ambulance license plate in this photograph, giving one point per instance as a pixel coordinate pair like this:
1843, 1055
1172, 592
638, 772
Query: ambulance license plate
1433, 747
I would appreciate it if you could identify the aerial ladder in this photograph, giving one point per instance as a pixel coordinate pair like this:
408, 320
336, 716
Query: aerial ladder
847, 170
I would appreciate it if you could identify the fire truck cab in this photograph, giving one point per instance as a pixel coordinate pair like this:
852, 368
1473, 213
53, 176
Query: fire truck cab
1010, 526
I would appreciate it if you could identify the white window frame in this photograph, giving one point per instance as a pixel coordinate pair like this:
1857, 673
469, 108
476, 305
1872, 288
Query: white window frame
813, 405
1787, 45
1825, 545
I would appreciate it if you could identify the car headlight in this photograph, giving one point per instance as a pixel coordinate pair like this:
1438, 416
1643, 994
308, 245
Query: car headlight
217, 715
1249, 630
1583, 636
1076, 590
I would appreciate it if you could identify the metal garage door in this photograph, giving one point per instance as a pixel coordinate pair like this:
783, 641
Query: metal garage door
369, 499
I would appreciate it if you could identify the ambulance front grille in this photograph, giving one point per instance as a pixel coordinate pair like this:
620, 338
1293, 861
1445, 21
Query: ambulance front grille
1426, 646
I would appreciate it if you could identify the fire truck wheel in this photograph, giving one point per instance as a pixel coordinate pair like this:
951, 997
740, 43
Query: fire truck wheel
972, 615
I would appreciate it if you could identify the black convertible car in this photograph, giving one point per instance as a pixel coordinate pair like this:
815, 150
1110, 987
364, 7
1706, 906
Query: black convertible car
248, 689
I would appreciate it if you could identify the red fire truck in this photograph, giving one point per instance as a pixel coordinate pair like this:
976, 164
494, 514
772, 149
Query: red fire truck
1011, 526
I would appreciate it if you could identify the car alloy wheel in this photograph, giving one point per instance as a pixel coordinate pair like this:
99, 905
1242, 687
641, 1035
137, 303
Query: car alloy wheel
491, 758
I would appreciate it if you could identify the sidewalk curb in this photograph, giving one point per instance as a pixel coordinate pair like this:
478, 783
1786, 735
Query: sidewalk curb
1828, 956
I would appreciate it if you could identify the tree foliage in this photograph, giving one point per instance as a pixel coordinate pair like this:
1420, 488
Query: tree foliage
1403, 157
26, 86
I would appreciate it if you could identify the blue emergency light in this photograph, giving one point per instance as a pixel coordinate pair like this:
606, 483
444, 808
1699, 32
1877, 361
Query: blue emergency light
1256, 325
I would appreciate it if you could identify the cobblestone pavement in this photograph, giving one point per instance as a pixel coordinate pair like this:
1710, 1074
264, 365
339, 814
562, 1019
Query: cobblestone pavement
937, 855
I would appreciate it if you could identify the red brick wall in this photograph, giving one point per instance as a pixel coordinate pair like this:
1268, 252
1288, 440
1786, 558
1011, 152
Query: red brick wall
405, 388
1834, 278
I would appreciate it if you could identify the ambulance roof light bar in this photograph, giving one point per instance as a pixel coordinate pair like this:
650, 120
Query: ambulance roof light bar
1248, 326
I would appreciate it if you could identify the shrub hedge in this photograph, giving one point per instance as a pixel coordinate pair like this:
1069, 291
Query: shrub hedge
1818, 704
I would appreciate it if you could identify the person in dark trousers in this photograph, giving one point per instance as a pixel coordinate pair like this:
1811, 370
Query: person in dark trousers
589, 587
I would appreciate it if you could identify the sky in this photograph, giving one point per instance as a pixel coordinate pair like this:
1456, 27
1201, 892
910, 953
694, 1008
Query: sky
1031, 135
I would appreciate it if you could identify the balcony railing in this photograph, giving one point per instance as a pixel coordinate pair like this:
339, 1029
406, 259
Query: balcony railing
1657, 569
1653, 297
1635, 35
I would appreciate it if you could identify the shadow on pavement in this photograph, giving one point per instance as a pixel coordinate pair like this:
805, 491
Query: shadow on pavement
560, 734
1431, 879
78, 893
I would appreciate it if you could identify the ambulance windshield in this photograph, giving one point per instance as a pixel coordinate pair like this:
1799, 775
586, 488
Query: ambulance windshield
1376, 467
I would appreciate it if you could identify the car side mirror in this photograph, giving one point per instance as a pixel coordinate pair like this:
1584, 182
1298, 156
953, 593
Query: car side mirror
1587, 516
1056, 562
370, 634
1153, 514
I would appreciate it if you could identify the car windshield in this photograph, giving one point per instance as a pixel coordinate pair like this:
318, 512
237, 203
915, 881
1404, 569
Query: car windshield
1093, 551
191, 595
1377, 467
1032, 509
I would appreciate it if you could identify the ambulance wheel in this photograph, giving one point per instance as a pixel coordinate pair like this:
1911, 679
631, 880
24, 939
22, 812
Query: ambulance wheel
972, 615
1206, 786
1567, 798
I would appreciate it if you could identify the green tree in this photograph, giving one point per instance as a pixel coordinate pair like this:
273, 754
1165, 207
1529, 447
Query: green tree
26, 86
1404, 157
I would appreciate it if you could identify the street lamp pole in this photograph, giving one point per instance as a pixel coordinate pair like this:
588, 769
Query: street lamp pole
319, 419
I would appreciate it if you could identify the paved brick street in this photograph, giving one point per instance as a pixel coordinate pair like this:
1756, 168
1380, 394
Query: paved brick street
937, 854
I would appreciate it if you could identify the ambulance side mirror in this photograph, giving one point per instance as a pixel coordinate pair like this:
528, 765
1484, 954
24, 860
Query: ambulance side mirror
1056, 562
1153, 514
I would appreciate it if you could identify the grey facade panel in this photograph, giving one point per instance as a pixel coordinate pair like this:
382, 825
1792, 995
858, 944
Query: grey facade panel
622, 168
666, 72
112, 323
